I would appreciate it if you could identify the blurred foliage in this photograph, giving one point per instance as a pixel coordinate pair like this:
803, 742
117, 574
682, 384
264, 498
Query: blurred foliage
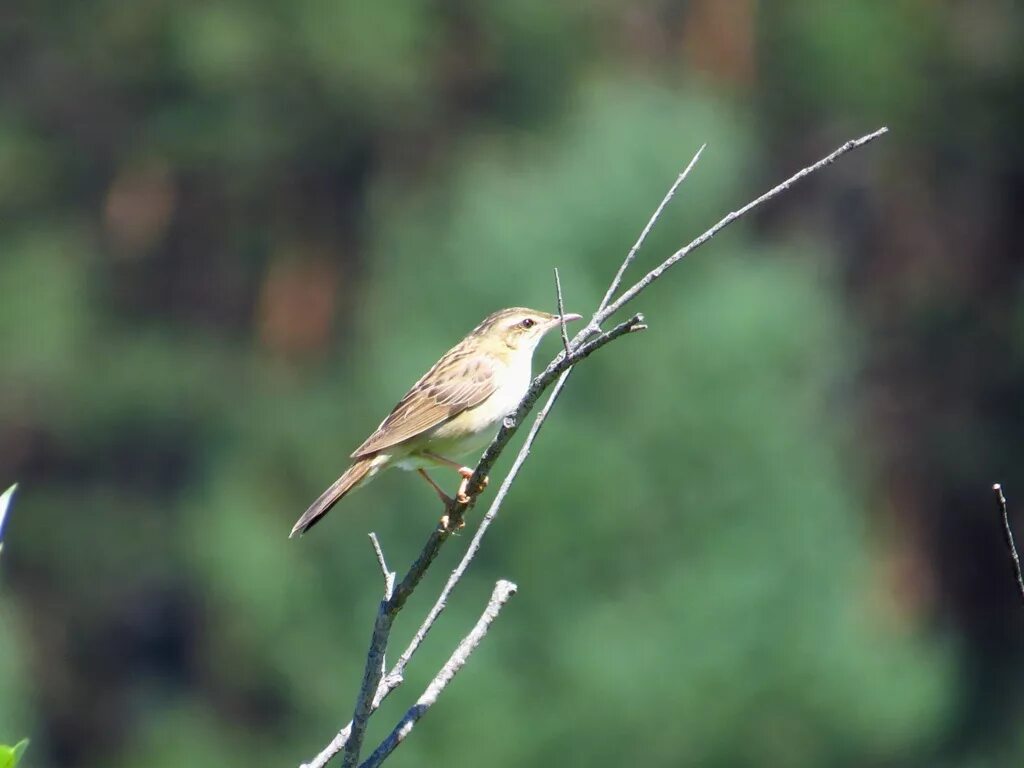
233, 233
11, 756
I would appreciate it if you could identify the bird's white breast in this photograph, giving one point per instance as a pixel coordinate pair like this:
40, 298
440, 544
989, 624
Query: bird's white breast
474, 428
517, 381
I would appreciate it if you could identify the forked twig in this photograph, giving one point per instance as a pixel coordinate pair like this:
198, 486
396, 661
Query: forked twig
728, 219
617, 280
396, 676
349, 739
503, 592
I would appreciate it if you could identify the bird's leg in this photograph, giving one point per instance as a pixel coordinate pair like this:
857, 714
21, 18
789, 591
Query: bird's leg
447, 462
448, 501
463, 497
467, 474
444, 496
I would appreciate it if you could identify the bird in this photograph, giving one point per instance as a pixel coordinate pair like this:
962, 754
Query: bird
454, 409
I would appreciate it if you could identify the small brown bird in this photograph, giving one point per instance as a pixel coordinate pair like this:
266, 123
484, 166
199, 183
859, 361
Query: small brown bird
452, 410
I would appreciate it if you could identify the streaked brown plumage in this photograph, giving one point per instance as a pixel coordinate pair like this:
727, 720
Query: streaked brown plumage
452, 410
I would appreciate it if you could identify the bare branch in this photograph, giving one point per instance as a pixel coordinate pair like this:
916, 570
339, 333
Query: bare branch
389, 576
617, 280
561, 314
1008, 536
658, 271
396, 676
561, 363
474, 544
376, 687
503, 591
376, 663
334, 747
374, 670
368, 692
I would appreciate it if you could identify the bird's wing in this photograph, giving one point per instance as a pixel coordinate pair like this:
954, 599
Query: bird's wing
459, 380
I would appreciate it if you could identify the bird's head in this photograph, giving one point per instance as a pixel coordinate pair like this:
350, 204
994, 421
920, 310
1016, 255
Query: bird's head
517, 328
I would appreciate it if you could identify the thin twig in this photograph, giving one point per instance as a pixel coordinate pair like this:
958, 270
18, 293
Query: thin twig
561, 314
374, 689
389, 576
503, 591
372, 673
658, 271
1008, 535
617, 280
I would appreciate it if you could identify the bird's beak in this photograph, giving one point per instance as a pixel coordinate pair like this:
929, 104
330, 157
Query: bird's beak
568, 317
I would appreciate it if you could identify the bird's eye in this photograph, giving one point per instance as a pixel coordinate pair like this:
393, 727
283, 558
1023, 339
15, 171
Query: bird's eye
528, 322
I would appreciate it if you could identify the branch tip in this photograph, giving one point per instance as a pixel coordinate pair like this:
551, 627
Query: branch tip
1008, 536
561, 314
617, 280
389, 576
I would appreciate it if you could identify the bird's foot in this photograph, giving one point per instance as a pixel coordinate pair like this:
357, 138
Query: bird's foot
465, 493
446, 523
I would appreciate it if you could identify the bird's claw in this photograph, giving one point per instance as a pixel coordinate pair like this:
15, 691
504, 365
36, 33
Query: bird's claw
465, 493
464, 496
446, 523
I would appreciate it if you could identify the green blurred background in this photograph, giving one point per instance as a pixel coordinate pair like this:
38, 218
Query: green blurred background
760, 534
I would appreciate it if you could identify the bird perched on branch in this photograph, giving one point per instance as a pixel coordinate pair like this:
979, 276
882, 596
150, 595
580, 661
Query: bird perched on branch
452, 410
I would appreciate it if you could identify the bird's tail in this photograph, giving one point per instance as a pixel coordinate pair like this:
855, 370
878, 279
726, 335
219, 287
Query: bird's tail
353, 475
